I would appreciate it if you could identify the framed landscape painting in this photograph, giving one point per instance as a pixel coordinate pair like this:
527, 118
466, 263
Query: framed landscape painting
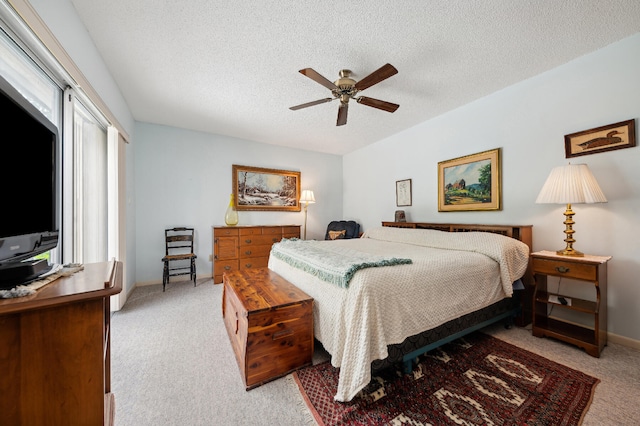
470, 183
256, 188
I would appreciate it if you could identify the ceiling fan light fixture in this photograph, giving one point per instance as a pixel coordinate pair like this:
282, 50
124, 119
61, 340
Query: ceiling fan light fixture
346, 88
345, 82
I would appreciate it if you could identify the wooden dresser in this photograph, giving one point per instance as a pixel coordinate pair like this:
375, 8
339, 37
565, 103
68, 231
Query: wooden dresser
269, 322
55, 350
243, 247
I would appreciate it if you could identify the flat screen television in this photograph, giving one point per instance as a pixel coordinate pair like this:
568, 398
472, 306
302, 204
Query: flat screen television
29, 188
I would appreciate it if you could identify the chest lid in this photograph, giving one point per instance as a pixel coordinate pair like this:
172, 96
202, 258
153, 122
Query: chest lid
261, 289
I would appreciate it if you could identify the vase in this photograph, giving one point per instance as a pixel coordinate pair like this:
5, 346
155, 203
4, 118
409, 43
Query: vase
231, 216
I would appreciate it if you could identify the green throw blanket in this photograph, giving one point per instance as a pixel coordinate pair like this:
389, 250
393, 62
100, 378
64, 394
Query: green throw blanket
329, 261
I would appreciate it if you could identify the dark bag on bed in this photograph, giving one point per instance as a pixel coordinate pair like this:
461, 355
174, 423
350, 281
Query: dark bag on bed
342, 229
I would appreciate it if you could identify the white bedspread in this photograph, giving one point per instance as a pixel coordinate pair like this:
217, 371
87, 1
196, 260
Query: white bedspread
452, 274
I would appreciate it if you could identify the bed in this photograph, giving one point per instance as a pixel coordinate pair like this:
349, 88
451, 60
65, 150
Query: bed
405, 288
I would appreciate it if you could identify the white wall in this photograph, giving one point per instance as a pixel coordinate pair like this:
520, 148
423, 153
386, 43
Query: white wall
62, 19
183, 178
528, 121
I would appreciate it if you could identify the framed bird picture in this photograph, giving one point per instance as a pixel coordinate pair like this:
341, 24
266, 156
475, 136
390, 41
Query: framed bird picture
601, 139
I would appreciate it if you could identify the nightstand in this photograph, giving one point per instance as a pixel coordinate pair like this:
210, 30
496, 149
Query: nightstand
590, 270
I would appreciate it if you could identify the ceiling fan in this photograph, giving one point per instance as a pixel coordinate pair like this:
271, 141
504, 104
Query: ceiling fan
346, 88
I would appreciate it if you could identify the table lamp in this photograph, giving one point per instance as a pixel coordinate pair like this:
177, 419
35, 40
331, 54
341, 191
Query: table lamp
570, 184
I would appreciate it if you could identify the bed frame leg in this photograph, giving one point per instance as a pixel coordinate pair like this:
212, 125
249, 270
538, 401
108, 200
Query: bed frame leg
508, 322
408, 365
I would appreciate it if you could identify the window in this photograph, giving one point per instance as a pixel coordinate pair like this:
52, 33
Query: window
87, 150
29, 79
85, 233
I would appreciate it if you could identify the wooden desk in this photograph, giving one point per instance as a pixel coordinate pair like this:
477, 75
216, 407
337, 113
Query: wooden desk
55, 366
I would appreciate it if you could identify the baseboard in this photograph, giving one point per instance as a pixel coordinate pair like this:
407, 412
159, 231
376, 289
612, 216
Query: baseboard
159, 282
624, 341
146, 283
611, 337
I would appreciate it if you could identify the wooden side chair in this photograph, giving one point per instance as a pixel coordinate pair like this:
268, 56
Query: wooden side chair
179, 257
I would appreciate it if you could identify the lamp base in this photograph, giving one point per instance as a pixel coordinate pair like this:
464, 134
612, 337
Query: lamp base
570, 252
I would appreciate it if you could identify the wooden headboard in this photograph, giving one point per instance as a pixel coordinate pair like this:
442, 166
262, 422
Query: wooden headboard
522, 233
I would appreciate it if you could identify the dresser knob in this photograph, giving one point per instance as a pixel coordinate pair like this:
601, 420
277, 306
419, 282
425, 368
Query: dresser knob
248, 252
562, 269
226, 268
247, 241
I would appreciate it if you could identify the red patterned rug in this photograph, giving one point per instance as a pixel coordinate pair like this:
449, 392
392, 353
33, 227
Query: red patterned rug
475, 380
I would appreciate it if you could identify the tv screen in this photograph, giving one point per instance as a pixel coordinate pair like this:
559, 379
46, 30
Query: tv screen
28, 179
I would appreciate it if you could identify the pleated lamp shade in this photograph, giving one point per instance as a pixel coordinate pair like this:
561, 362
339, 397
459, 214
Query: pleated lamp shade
307, 197
571, 184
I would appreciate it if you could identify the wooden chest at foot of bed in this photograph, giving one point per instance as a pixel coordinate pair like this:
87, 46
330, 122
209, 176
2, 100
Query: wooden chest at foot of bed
269, 322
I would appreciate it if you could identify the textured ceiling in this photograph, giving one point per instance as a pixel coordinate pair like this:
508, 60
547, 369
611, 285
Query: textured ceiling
231, 67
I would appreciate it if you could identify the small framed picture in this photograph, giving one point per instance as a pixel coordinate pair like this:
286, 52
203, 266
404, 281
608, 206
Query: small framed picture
601, 139
403, 192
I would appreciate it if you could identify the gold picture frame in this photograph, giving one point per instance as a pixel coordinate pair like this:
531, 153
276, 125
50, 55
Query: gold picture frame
601, 139
470, 183
256, 188
403, 193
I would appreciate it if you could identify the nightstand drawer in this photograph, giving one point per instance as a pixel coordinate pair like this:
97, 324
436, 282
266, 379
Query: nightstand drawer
567, 269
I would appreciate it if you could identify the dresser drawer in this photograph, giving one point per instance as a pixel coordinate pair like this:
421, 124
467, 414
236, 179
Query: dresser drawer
261, 230
226, 232
567, 269
272, 230
290, 232
255, 251
255, 240
223, 266
254, 262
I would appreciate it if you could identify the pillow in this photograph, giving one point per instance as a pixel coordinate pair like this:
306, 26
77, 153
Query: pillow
337, 235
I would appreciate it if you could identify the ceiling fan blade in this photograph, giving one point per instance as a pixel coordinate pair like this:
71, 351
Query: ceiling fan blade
313, 75
376, 77
376, 103
308, 104
342, 114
